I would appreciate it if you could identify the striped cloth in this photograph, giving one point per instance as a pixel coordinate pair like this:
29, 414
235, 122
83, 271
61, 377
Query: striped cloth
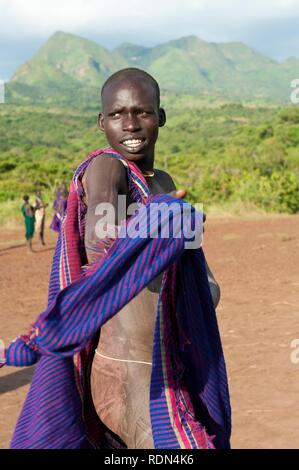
189, 399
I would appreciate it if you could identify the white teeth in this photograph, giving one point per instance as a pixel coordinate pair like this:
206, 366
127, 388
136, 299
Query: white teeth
132, 142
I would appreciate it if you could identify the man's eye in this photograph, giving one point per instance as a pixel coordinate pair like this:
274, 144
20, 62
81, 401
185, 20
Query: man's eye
115, 115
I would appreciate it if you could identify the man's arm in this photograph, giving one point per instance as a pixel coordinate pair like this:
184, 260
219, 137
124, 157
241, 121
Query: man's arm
105, 179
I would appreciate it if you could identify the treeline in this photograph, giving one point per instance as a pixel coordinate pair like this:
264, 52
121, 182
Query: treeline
225, 155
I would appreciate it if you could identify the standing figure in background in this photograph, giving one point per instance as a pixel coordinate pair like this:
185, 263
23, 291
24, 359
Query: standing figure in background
59, 207
29, 219
40, 215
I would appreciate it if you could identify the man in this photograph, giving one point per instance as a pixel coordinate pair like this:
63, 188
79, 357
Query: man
29, 220
59, 207
130, 117
109, 286
40, 215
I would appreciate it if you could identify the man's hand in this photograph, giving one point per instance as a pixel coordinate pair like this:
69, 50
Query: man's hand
179, 193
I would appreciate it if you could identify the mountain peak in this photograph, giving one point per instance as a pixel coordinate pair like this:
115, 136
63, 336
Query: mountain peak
291, 60
62, 34
61, 39
187, 41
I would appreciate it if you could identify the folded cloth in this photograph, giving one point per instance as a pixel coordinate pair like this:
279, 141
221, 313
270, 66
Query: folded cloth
189, 399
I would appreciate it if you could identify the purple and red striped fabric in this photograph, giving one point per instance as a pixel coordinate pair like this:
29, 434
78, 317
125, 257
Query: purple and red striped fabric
189, 400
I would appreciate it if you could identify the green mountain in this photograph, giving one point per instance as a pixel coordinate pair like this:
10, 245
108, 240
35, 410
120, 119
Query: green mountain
66, 59
70, 70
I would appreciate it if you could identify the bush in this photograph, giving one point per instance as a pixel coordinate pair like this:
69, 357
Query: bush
247, 156
278, 192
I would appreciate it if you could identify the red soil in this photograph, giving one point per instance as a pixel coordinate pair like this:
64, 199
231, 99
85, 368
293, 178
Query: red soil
256, 264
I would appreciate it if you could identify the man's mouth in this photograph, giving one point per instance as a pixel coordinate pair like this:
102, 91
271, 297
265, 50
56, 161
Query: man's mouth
132, 144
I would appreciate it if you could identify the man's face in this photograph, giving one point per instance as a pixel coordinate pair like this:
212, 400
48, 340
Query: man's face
131, 119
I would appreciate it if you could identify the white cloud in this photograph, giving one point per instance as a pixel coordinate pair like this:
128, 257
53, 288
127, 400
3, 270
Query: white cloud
267, 25
34, 18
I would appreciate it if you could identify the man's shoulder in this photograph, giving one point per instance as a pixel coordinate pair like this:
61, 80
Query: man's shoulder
102, 172
105, 164
164, 178
162, 174
105, 160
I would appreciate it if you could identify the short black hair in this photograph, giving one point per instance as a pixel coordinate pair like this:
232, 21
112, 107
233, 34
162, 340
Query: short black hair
26, 198
132, 72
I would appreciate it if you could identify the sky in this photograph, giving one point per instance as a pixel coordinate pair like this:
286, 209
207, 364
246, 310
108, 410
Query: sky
269, 26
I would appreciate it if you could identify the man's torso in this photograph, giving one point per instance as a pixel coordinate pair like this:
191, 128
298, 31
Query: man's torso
121, 370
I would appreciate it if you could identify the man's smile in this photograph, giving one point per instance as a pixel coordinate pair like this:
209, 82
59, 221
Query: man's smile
132, 144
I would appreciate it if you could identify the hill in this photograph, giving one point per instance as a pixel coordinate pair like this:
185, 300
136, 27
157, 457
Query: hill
70, 70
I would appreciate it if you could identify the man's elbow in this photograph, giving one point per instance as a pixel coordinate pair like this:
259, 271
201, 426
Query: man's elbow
215, 292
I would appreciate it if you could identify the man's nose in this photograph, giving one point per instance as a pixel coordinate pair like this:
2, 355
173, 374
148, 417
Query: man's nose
131, 123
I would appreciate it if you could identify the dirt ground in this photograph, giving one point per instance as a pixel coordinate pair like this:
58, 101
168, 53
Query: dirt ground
257, 265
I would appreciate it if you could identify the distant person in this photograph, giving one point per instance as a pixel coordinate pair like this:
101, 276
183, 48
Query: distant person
59, 207
40, 215
29, 219
63, 190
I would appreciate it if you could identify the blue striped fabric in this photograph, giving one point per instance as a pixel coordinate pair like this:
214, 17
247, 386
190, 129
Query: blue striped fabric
188, 362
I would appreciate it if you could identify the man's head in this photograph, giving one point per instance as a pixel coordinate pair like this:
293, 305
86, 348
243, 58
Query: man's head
131, 115
63, 190
25, 198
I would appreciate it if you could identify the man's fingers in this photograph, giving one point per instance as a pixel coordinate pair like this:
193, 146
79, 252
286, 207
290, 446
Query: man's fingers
179, 194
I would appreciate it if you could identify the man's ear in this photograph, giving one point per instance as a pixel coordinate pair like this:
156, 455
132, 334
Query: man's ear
162, 117
101, 121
